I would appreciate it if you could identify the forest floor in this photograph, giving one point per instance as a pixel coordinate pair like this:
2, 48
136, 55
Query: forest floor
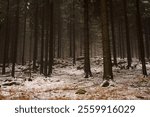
68, 83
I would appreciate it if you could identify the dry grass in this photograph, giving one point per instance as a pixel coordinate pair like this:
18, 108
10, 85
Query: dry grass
22, 97
59, 98
14, 95
2, 97
131, 88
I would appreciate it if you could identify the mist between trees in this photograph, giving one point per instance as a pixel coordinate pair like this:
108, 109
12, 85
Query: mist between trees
35, 33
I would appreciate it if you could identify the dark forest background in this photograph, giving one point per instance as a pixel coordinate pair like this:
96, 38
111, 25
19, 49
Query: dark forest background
36, 32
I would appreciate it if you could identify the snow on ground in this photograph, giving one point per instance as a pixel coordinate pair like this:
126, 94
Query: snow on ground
68, 83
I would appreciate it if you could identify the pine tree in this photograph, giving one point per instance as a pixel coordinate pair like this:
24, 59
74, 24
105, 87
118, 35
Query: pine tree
113, 33
140, 38
106, 42
51, 39
127, 34
87, 68
15, 42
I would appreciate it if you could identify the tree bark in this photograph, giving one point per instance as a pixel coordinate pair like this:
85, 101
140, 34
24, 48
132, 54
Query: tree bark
47, 39
87, 68
140, 38
6, 41
59, 30
35, 35
127, 35
51, 39
24, 35
113, 33
106, 42
74, 42
42, 37
15, 44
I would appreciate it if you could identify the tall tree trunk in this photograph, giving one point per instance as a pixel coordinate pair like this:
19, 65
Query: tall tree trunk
74, 42
127, 35
15, 44
147, 38
119, 39
35, 34
6, 41
81, 43
24, 35
51, 39
47, 39
140, 38
42, 37
87, 68
106, 42
30, 46
113, 33
70, 33
59, 30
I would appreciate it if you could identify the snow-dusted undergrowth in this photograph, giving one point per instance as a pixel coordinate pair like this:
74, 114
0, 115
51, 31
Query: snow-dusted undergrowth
66, 82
